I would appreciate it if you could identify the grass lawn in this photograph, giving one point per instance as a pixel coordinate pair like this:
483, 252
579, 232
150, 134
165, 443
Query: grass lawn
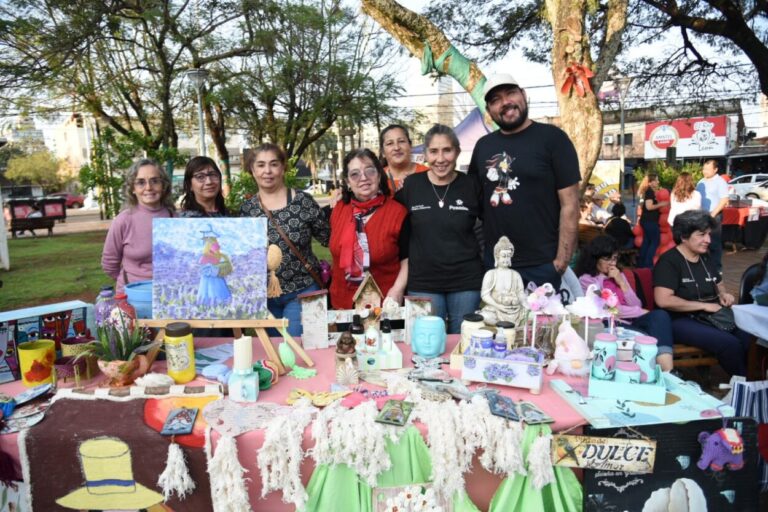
63, 267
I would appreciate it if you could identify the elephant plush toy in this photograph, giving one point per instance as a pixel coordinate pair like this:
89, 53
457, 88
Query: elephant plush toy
721, 448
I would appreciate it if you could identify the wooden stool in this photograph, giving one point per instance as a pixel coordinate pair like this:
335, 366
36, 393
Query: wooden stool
686, 356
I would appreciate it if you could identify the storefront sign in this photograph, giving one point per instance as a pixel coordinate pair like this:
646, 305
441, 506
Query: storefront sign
604, 453
693, 137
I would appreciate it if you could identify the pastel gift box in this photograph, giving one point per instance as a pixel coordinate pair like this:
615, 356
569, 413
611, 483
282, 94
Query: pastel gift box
655, 393
521, 368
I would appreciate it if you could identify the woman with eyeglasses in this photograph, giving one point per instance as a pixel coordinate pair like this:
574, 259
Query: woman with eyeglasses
294, 218
127, 255
202, 189
597, 265
686, 284
443, 251
365, 231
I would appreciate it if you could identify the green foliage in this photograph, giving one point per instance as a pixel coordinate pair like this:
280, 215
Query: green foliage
668, 174
118, 339
39, 168
7, 152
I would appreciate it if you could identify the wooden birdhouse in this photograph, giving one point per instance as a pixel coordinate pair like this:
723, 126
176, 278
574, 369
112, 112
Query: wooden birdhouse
368, 297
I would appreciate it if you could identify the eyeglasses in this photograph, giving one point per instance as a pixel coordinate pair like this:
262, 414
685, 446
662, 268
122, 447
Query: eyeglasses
612, 257
356, 175
202, 177
142, 183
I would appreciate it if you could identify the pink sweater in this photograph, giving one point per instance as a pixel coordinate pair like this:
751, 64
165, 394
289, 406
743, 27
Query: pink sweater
129, 245
630, 307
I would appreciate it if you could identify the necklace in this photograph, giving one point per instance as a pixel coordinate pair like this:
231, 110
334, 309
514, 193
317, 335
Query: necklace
440, 200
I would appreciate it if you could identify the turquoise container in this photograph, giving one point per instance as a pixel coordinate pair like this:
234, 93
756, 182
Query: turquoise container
644, 355
627, 372
140, 297
604, 356
428, 336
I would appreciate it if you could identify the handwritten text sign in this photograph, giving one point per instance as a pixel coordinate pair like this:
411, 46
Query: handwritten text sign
604, 453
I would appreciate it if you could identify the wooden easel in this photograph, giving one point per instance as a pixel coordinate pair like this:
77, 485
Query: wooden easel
237, 326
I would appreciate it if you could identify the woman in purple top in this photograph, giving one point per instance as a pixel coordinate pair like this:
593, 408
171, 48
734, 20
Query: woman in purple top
127, 255
598, 265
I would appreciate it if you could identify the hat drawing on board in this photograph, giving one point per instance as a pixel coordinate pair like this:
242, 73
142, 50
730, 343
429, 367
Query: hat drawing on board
495, 81
109, 483
209, 233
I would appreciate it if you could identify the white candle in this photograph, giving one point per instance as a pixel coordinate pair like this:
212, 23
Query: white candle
243, 354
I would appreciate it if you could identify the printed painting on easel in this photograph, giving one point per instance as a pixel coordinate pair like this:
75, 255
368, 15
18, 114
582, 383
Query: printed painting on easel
209, 268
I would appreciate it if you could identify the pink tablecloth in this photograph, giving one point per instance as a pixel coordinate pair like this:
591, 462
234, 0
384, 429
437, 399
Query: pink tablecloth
480, 484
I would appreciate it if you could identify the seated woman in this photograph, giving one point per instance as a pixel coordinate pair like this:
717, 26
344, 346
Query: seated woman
365, 227
202, 189
685, 282
294, 218
443, 252
598, 265
127, 255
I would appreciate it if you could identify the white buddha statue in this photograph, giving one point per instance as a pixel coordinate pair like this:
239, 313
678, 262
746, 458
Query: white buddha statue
503, 293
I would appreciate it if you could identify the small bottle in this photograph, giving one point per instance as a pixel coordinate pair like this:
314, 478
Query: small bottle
128, 311
471, 322
358, 333
105, 301
243, 383
499, 345
386, 335
508, 328
180, 352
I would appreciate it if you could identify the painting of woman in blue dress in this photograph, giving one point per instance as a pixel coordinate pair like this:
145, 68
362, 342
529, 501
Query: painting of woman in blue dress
215, 265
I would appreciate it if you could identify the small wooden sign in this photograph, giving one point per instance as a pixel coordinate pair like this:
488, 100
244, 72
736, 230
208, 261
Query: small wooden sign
604, 453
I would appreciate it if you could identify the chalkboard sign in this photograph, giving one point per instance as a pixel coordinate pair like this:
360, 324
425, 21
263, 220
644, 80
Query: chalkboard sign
678, 451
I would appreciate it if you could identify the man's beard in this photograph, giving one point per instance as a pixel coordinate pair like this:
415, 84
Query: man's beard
513, 125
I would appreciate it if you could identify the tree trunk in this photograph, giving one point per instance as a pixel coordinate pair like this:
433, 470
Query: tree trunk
218, 132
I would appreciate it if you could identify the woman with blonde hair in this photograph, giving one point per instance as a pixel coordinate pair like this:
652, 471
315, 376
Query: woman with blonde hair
684, 197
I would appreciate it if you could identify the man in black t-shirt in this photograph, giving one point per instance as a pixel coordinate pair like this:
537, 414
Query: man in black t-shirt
529, 174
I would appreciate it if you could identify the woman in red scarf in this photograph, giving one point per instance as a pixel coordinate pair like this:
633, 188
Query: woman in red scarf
365, 231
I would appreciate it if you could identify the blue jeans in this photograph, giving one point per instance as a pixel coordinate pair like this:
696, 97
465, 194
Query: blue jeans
651, 239
730, 348
287, 306
452, 306
540, 274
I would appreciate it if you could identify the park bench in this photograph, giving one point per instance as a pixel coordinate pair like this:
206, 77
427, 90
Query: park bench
53, 209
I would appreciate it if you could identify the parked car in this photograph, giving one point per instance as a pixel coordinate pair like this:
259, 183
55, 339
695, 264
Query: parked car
740, 185
758, 192
72, 200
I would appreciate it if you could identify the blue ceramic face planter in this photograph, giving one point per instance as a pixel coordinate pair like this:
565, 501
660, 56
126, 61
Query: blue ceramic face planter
428, 336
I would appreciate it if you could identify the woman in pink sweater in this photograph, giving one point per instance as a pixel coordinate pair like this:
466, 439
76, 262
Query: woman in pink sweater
127, 255
598, 265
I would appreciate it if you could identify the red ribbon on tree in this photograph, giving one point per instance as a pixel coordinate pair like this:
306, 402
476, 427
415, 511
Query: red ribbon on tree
577, 77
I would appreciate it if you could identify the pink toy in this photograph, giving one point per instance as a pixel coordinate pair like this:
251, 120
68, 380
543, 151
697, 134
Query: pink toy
571, 352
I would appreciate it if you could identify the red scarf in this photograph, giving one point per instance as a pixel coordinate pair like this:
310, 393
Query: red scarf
353, 253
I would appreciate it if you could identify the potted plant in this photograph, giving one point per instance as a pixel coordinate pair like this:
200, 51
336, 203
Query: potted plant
120, 349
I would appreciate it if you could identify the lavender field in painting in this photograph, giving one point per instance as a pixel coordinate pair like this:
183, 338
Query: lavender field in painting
185, 263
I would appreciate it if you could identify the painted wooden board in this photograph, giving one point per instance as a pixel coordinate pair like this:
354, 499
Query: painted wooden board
678, 451
685, 401
604, 453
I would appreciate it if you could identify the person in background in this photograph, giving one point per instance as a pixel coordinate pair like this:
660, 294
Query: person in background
685, 283
759, 292
598, 265
529, 176
443, 252
291, 214
714, 198
127, 255
365, 232
619, 228
649, 220
202, 189
395, 153
684, 197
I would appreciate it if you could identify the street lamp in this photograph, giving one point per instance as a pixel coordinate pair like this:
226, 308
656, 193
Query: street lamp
622, 85
197, 78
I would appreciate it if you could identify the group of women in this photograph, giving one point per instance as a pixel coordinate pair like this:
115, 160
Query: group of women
369, 229
413, 228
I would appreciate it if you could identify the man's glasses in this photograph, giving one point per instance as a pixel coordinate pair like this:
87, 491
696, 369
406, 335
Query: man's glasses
202, 177
142, 183
356, 175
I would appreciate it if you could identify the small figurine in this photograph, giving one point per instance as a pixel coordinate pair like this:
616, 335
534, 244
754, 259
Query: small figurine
502, 291
571, 352
720, 449
345, 344
347, 373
